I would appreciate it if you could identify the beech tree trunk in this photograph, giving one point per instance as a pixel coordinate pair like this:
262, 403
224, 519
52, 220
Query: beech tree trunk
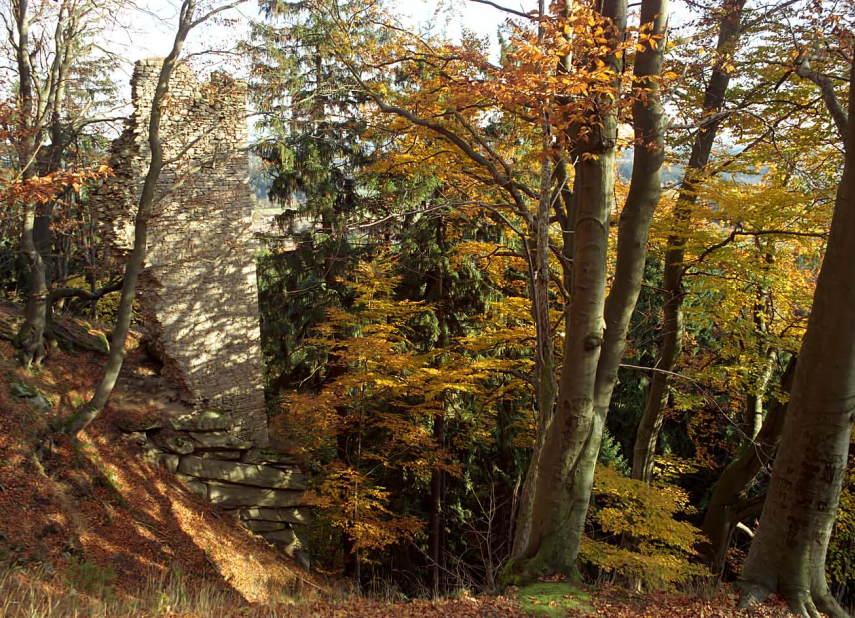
671, 345
545, 384
789, 550
30, 338
91, 410
550, 540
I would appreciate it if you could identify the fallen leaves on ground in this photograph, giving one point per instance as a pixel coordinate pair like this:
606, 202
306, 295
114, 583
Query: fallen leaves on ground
468, 607
617, 603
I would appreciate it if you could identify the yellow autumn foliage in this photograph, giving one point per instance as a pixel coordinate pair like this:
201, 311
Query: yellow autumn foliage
639, 536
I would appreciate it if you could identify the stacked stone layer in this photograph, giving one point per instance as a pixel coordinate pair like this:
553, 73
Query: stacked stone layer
263, 488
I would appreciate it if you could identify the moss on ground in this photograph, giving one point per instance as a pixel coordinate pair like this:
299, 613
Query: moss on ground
554, 599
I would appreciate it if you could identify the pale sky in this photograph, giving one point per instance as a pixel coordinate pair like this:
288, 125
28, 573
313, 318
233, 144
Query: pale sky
148, 32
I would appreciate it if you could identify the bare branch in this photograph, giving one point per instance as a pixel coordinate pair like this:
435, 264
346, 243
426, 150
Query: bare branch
504, 9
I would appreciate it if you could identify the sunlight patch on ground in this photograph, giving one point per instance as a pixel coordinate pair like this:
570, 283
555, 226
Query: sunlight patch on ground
554, 599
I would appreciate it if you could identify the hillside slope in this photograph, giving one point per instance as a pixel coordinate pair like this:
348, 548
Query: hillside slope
98, 513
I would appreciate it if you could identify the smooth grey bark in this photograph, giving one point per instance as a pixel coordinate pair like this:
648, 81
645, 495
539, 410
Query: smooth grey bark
562, 202
42, 106
759, 382
729, 503
671, 344
788, 553
546, 386
596, 336
30, 338
87, 413
54, 151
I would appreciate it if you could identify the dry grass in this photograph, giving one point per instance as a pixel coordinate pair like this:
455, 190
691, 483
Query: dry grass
33, 594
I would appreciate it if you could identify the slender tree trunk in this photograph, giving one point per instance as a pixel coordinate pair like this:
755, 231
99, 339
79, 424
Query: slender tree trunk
634, 228
90, 411
789, 550
729, 503
545, 383
596, 337
30, 338
42, 239
437, 516
436, 525
754, 399
753, 418
671, 345
502, 528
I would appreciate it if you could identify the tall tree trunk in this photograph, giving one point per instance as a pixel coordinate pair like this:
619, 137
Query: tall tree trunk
30, 338
672, 327
789, 550
546, 387
90, 411
436, 525
596, 338
729, 503
436, 568
753, 417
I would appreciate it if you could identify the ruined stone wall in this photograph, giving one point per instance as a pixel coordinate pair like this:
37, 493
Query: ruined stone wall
198, 290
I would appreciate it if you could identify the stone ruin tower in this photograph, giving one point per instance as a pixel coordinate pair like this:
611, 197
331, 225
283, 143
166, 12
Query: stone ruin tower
198, 297
198, 290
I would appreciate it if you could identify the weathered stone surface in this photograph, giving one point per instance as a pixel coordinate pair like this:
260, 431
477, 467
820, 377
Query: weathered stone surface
39, 402
233, 496
218, 441
288, 540
198, 295
303, 559
23, 391
169, 461
263, 526
206, 420
173, 441
282, 537
265, 455
300, 515
138, 438
132, 421
197, 487
240, 473
225, 455
31, 395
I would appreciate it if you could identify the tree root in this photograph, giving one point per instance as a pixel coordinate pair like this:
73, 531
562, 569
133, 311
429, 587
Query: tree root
829, 606
802, 602
752, 593
32, 355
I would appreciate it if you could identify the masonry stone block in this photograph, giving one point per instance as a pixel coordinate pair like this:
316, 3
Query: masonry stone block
235, 496
240, 473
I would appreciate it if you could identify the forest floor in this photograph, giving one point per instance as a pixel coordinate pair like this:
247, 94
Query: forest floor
94, 529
